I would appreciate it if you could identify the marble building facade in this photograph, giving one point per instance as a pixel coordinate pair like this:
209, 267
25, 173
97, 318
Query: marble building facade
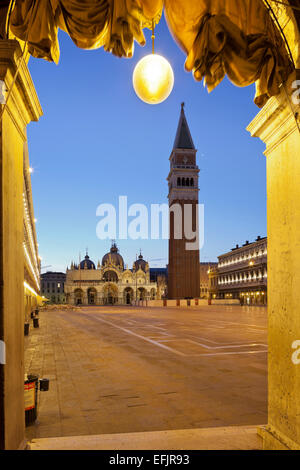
242, 274
111, 283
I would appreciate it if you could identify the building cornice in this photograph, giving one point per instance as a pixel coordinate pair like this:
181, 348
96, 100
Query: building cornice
278, 118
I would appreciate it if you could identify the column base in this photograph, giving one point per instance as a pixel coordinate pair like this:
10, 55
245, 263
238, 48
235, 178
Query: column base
274, 440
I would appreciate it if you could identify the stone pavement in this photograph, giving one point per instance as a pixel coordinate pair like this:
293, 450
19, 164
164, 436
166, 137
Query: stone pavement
229, 438
131, 370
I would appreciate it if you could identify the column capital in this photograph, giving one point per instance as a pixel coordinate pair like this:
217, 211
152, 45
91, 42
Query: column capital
23, 105
277, 119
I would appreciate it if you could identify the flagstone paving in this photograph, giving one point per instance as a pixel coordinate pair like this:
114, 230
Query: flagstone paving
126, 369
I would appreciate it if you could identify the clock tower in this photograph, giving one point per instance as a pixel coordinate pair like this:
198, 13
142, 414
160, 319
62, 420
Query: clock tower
184, 254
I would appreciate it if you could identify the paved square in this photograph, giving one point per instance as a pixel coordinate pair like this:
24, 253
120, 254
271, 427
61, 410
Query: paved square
127, 369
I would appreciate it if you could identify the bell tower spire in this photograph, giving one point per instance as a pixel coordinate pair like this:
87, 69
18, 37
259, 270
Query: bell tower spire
183, 139
184, 254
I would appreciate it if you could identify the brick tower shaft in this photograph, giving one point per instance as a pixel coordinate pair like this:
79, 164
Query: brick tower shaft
184, 255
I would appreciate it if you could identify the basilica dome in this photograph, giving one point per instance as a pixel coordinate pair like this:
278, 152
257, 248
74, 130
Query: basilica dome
113, 257
87, 263
140, 263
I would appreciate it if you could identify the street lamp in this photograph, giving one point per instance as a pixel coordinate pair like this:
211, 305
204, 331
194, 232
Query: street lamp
153, 77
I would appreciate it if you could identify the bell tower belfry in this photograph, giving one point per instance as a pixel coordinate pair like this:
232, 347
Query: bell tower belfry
184, 254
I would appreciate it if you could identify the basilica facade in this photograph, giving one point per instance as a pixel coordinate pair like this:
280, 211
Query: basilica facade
111, 283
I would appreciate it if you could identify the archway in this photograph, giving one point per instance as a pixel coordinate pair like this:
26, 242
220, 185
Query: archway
92, 296
78, 296
110, 276
153, 294
284, 292
110, 294
142, 293
128, 295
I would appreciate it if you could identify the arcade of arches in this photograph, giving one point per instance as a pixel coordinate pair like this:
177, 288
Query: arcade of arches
234, 37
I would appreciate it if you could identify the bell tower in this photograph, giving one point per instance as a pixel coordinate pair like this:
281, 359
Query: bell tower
184, 254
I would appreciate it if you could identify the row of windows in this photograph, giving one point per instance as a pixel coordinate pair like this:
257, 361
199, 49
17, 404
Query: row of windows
241, 277
54, 286
47, 284
57, 299
185, 181
244, 257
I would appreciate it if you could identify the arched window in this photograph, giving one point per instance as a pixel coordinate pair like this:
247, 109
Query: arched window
178, 182
110, 276
183, 182
192, 182
187, 182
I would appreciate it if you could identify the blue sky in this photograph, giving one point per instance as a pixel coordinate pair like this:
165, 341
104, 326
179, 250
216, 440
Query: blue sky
97, 141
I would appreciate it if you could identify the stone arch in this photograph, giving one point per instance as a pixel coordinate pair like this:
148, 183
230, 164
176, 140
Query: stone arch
128, 295
127, 277
110, 293
141, 277
287, 19
110, 276
153, 294
92, 296
142, 293
78, 296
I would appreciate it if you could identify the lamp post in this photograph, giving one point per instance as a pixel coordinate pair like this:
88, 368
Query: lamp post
135, 280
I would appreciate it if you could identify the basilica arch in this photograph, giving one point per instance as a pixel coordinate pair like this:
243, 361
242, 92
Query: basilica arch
92, 296
142, 293
153, 294
110, 276
276, 125
78, 296
110, 294
128, 295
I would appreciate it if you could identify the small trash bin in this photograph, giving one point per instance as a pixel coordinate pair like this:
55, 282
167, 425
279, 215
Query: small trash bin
44, 385
32, 384
26, 329
35, 322
31, 398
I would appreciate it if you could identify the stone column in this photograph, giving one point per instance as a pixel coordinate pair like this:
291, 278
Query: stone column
22, 107
276, 126
85, 299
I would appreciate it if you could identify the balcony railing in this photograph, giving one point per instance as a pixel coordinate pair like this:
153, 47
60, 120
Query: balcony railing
244, 264
241, 284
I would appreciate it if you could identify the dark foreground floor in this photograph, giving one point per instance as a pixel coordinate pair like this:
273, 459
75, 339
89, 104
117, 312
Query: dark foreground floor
119, 369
